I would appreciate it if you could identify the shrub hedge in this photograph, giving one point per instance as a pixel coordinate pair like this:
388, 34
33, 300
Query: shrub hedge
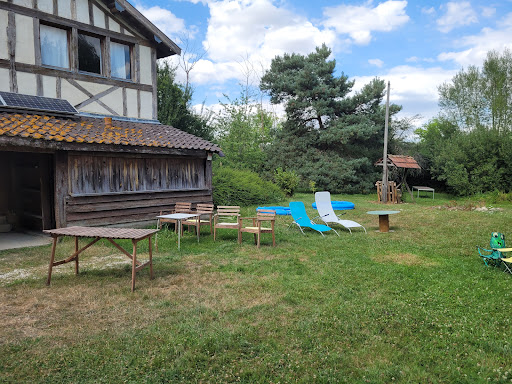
237, 187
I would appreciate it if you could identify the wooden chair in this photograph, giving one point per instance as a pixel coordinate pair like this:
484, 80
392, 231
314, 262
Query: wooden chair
206, 216
263, 216
178, 208
225, 218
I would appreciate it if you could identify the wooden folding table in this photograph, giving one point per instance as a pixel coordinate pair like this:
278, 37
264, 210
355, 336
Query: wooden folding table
98, 233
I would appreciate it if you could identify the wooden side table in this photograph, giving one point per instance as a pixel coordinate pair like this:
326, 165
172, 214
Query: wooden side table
383, 219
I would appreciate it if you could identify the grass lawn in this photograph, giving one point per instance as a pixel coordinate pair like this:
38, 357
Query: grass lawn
413, 305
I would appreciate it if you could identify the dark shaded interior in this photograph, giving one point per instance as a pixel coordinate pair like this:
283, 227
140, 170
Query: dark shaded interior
26, 190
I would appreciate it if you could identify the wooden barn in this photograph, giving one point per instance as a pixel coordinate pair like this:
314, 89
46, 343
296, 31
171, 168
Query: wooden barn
80, 143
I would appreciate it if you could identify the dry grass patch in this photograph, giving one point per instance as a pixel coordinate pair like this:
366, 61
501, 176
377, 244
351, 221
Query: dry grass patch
409, 259
70, 312
95, 301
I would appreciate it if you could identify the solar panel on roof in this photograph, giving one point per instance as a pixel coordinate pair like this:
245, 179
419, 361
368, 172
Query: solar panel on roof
37, 103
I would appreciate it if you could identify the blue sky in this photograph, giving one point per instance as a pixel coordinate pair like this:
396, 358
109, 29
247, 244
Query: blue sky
416, 45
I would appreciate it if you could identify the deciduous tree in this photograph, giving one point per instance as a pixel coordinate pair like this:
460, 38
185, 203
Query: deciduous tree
174, 105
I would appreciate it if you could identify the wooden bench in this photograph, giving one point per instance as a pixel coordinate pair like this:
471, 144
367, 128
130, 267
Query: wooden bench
98, 233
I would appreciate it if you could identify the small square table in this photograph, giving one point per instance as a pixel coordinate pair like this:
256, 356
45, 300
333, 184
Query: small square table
426, 189
178, 217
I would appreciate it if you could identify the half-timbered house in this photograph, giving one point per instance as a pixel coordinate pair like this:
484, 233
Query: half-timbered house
103, 158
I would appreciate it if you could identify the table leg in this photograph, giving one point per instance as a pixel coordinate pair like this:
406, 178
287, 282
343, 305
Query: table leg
150, 260
76, 252
134, 263
384, 223
52, 259
178, 223
156, 234
198, 227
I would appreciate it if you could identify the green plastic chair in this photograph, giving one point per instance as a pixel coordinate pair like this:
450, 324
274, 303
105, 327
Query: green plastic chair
492, 256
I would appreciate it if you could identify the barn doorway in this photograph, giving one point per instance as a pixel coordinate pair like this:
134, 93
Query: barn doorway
26, 190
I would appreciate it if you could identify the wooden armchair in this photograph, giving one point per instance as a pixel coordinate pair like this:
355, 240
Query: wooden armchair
178, 208
206, 216
262, 217
226, 217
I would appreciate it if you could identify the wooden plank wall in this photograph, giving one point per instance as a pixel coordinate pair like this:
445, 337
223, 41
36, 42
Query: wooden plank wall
128, 207
105, 174
107, 190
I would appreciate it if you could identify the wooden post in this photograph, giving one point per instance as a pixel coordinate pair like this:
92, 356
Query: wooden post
384, 198
61, 188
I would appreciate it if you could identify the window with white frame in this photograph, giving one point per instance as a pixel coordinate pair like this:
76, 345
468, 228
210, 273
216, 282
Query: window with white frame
54, 46
120, 61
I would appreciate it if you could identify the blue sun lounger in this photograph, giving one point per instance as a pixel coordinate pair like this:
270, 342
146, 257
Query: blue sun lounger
301, 219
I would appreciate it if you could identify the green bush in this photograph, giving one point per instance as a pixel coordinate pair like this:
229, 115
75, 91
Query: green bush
237, 187
286, 180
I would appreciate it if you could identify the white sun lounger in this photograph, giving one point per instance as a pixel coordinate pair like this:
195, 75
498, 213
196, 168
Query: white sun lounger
326, 213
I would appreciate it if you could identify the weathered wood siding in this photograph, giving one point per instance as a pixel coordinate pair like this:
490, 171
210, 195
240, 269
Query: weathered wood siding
108, 189
105, 174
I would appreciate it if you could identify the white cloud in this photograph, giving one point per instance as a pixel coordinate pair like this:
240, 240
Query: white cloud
164, 19
488, 11
360, 21
457, 14
416, 59
478, 45
253, 31
414, 88
241, 28
216, 108
377, 62
428, 11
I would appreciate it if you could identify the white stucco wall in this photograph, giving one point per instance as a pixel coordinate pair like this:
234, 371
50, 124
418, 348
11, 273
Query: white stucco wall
71, 93
25, 52
26, 83
82, 11
3, 35
23, 3
4, 80
145, 65
99, 17
50, 86
131, 103
93, 87
113, 25
45, 5
146, 105
115, 101
94, 108
64, 8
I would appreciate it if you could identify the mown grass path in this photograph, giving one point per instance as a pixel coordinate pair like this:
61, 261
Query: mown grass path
413, 305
